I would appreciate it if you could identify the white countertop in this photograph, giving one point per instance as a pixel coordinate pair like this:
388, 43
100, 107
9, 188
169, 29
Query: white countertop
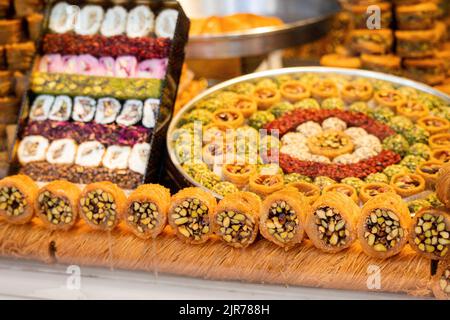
30, 280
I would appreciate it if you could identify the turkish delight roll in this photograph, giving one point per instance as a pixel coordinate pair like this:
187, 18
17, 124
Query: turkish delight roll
131, 113
151, 107
56, 205
41, 108
125, 67
101, 204
190, 215
107, 66
140, 22
107, 110
89, 20
17, 194
84, 109
63, 18
62, 151
52, 63
139, 156
166, 23
116, 157
429, 233
90, 154
115, 22
383, 226
282, 217
32, 149
61, 109
236, 219
146, 210
331, 222
152, 69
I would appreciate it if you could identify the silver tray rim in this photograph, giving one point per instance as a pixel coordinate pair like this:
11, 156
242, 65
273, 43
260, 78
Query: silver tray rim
270, 73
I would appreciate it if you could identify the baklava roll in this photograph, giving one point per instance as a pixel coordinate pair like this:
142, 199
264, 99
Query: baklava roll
283, 216
383, 226
56, 205
371, 41
236, 219
17, 194
443, 185
101, 204
430, 71
331, 222
441, 281
429, 233
420, 16
190, 215
388, 63
415, 44
146, 210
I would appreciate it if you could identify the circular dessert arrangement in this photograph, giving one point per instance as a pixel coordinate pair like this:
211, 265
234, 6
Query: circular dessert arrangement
316, 130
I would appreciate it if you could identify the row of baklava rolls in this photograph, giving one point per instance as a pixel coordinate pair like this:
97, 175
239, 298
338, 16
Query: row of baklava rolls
333, 222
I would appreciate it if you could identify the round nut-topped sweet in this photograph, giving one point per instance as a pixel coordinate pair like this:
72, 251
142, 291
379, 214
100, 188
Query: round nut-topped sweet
330, 144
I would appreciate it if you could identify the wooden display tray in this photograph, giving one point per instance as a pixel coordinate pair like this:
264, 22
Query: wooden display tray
262, 262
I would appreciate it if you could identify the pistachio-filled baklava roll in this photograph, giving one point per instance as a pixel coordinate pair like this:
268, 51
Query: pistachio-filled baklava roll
441, 281
190, 215
102, 204
236, 219
17, 194
429, 234
383, 226
430, 71
56, 205
146, 210
282, 217
331, 222
443, 185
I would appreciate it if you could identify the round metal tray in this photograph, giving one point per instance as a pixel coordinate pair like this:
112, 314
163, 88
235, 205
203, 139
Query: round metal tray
174, 165
305, 20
